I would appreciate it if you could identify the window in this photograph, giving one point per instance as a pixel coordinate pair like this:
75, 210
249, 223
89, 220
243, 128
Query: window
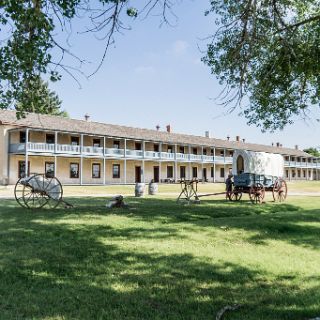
116, 144
287, 173
22, 137
21, 169
221, 172
212, 172
116, 171
299, 173
231, 154
170, 149
138, 146
222, 153
205, 152
212, 152
96, 143
195, 172
194, 150
169, 171
293, 174
182, 172
304, 173
156, 148
50, 138
75, 141
49, 169
96, 170
74, 170
181, 150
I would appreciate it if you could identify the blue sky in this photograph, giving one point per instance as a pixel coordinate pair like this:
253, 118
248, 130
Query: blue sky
154, 75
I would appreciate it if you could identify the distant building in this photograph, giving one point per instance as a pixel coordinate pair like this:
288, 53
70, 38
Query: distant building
84, 152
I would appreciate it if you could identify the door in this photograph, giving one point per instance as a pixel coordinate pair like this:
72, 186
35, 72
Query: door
138, 174
182, 173
156, 174
204, 174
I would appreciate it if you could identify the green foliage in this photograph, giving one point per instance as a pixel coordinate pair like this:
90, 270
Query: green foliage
38, 98
313, 151
267, 51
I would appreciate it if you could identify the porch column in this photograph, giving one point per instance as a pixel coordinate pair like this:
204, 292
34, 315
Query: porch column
81, 159
214, 165
27, 154
55, 141
55, 166
125, 161
175, 163
104, 171
224, 164
160, 163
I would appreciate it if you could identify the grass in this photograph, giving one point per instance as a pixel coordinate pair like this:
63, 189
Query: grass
161, 260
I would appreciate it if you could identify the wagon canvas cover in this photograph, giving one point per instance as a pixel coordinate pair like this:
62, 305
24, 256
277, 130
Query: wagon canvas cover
261, 163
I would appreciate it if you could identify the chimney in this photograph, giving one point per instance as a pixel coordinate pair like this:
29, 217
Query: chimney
296, 147
278, 144
243, 140
228, 137
168, 128
207, 134
238, 138
86, 117
157, 127
272, 144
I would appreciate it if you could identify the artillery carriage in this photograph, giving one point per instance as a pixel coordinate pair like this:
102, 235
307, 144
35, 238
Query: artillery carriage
37, 191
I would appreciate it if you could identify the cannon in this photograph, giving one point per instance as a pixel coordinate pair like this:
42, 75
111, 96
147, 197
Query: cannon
37, 191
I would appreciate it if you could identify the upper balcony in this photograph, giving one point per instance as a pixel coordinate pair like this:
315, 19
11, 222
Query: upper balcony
68, 149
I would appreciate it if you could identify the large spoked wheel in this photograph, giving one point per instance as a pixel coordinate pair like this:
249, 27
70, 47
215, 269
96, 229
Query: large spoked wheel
257, 193
280, 190
38, 191
21, 191
235, 196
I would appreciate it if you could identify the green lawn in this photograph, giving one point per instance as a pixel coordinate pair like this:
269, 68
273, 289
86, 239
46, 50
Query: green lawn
161, 260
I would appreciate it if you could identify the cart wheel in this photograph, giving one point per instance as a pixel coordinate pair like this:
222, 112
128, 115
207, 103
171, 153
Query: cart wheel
235, 196
280, 190
53, 192
21, 190
257, 193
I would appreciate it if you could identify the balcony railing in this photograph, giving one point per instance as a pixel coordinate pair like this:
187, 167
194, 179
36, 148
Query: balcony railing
113, 152
134, 154
66, 148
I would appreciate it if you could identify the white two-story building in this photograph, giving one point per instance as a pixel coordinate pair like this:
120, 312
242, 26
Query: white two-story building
84, 152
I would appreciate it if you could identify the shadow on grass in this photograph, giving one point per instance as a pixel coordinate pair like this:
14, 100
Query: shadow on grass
62, 271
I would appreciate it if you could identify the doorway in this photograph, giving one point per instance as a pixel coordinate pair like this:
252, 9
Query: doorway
138, 175
156, 172
204, 175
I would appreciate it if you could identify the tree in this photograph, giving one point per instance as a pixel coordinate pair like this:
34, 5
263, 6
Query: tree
40, 99
266, 53
313, 151
30, 27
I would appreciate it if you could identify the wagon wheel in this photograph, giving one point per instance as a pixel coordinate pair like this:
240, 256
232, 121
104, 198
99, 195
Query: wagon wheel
257, 193
20, 191
235, 196
53, 192
280, 190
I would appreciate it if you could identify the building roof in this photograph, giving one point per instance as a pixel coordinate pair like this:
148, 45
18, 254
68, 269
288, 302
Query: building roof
57, 123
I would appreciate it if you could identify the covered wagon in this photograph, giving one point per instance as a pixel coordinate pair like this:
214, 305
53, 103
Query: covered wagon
255, 173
